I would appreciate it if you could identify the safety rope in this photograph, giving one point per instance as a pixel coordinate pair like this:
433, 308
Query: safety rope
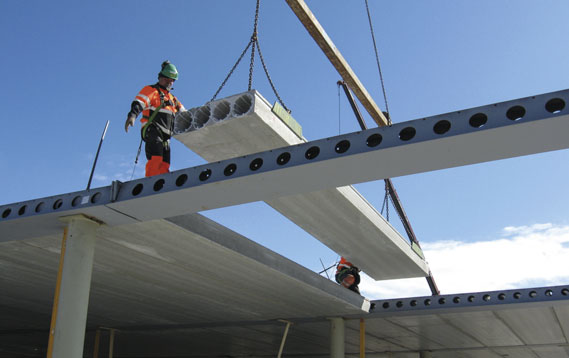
378, 65
253, 43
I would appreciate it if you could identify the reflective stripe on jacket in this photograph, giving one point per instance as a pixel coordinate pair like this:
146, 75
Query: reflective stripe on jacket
149, 99
344, 264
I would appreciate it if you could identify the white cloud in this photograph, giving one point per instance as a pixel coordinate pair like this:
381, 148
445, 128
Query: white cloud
525, 256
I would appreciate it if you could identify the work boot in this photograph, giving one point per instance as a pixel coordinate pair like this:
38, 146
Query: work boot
164, 168
153, 166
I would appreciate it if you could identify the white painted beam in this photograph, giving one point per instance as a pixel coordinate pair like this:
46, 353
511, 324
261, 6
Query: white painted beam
339, 217
520, 127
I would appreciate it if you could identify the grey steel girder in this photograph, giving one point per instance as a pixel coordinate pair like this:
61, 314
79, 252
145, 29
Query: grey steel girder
503, 130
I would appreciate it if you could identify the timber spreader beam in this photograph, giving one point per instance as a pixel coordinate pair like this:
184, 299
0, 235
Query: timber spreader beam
317, 32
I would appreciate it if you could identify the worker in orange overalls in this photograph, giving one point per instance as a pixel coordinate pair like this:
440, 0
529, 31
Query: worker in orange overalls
158, 107
348, 275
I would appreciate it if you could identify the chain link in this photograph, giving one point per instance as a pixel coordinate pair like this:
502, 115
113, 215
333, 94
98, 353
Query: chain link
269, 78
253, 42
231, 72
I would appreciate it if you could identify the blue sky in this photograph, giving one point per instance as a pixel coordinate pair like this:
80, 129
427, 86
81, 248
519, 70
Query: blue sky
70, 66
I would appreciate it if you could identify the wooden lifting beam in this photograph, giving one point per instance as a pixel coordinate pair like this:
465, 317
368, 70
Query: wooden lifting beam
317, 32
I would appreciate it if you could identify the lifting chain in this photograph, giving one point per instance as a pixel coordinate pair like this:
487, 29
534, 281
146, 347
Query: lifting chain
385, 204
253, 42
378, 65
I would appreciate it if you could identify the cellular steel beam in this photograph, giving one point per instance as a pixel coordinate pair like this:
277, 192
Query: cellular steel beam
317, 32
339, 217
503, 130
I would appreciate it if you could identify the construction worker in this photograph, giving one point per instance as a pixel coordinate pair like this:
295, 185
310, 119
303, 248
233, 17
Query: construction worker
158, 107
348, 275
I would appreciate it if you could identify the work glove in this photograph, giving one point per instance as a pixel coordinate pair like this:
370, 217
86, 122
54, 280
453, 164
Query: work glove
130, 120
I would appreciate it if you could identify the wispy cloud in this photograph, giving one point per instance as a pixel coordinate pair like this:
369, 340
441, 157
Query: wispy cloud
523, 256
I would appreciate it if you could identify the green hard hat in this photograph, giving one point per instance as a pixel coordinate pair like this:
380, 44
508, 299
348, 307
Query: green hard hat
170, 71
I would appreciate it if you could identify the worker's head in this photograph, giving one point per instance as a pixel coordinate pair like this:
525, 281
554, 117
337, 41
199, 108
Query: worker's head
167, 75
348, 280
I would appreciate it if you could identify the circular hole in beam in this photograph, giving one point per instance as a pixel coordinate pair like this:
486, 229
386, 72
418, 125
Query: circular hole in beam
428, 302
159, 185
399, 304
283, 158
441, 127
96, 197
342, 146
57, 204
205, 174
256, 164
471, 298
181, 180
456, 300
230, 169
478, 120
76, 201
312, 152
486, 298
565, 292
385, 305
407, 133
502, 296
374, 140
442, 301
549, 293
6, 213
39, 207
555, 105
517, 295
533, 294
515, 113
22, 210
137, 189
413, 303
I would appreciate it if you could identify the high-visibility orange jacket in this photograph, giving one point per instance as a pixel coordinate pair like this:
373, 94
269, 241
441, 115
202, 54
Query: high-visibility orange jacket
343, 264
149, 100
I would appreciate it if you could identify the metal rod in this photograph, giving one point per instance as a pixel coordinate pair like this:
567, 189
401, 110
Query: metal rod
325, 269
392, 192
56, 295
353, 104
284, 339
97, 155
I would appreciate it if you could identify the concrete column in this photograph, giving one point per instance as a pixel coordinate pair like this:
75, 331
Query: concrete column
337, 338
69, 319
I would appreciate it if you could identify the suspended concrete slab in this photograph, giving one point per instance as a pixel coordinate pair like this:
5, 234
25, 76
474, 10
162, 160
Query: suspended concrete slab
339, 217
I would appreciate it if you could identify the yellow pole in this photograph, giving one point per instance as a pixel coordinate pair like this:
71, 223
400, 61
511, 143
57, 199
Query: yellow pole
97, 342
362, 338
111, 342
56, 296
